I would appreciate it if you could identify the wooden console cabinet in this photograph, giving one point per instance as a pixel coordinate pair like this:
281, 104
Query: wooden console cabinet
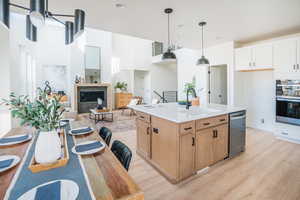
122, 99
179, 150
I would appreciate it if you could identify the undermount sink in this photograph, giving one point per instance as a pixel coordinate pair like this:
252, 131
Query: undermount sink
199, 111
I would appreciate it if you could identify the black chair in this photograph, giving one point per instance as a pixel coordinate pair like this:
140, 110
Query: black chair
122, 152
105, 134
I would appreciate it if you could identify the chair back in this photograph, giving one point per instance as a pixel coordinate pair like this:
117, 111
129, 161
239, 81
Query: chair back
105, 134
122, 152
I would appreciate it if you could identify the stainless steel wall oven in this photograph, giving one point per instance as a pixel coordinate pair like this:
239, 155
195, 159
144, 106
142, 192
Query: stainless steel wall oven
288, 101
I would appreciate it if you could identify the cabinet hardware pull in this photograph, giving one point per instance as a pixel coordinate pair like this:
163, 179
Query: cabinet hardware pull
206, 124
155, 130
216, 133
142, 117
222, 120
193, 141
189, 128
148, 130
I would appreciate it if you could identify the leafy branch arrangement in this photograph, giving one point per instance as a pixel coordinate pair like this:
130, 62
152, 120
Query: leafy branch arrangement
121, 85
44, 113
191, 85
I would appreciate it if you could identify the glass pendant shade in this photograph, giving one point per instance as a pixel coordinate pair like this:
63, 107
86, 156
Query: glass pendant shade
37, 12
4, 12
31, 32
79, 22
203, 61
69, 32
169, 55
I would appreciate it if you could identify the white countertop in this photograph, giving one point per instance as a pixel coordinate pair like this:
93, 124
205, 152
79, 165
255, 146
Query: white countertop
178, 113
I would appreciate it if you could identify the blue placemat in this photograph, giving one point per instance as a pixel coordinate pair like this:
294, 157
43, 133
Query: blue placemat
88, 147
13, 139
72, 171
49, 192
82, 130
6, 163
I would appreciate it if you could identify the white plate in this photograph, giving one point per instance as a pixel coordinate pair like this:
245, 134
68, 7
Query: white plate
69, 190
88, 152
8, 157
81, 133
16, 142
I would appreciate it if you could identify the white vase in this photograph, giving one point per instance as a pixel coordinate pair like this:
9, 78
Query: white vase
47, 148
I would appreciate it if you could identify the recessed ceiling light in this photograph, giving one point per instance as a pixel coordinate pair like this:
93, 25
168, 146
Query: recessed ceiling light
120, 5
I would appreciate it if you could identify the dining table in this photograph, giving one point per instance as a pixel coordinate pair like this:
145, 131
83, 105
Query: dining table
107, 178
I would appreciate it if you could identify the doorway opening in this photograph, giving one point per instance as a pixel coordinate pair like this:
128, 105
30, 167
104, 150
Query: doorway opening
142, 85
218, 84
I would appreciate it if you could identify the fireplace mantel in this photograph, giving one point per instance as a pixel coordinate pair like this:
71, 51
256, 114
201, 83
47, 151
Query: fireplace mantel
94, 85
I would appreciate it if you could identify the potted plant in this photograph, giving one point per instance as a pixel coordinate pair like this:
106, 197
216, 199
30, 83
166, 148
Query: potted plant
121, 87
44, 114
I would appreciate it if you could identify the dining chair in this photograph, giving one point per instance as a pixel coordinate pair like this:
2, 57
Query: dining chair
105, 134
122, 152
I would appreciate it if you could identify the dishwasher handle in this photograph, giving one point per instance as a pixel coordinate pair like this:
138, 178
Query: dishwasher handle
238, 117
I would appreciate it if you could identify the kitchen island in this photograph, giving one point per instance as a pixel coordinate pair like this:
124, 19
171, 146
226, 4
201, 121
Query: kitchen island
179, 142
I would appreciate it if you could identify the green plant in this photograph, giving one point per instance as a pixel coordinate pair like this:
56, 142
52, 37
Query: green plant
121, 85
43, 113
190, 85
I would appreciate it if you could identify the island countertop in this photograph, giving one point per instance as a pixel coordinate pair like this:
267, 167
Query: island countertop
179, 114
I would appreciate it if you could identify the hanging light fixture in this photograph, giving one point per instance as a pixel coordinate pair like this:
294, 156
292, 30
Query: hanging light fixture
79, 22
4, 12
202, 61
69, 31
37, 13
31, 32
169, 55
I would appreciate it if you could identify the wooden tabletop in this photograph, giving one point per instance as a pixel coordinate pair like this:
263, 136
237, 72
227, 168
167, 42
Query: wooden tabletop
108, 178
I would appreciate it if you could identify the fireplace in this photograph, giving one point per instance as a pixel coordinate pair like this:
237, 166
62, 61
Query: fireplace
87, 95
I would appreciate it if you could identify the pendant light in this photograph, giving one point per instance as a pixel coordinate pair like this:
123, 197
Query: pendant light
69, 31
31, 32
79, 22
4, 12
169, 55
202, 61
37, 13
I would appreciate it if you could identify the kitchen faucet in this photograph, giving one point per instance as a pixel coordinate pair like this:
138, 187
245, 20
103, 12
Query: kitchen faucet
187, 97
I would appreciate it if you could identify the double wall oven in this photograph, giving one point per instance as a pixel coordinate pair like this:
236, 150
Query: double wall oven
288, 101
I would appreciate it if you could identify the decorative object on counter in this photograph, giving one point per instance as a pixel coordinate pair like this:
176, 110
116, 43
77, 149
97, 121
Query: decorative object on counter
17, 139
54, 190
38, 13
121, 87
77, 79
36, 167
196, 101
8, 161
88, 147
203, 62
44, 114
169, 55
81, 131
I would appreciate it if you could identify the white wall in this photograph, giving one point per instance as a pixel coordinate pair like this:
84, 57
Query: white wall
5, 122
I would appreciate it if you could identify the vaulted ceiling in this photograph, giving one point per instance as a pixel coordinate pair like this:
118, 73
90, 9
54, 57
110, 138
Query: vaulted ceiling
239, 20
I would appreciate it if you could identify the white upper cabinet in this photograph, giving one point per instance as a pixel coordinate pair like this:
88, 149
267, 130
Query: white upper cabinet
254, 58
243, 58
286, 59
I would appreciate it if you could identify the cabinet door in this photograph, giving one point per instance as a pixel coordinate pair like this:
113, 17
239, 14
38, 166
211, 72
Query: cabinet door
143, 138
298, 56
243, 58
204, 148
262, 56
187, 155
220, 143
285, 56
165, 146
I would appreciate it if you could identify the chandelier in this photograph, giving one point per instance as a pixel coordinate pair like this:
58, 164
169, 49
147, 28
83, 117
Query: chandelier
38, 12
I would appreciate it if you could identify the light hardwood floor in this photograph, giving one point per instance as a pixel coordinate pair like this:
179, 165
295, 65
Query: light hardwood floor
269, 169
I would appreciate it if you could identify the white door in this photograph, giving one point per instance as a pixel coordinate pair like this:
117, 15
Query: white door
243, 58
218, 84
285, 57
262, 56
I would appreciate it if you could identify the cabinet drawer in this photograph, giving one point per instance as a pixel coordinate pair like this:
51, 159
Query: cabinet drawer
188, 127
209, 122
143, 116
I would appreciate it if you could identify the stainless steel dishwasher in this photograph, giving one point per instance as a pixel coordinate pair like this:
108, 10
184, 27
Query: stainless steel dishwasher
237, 134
